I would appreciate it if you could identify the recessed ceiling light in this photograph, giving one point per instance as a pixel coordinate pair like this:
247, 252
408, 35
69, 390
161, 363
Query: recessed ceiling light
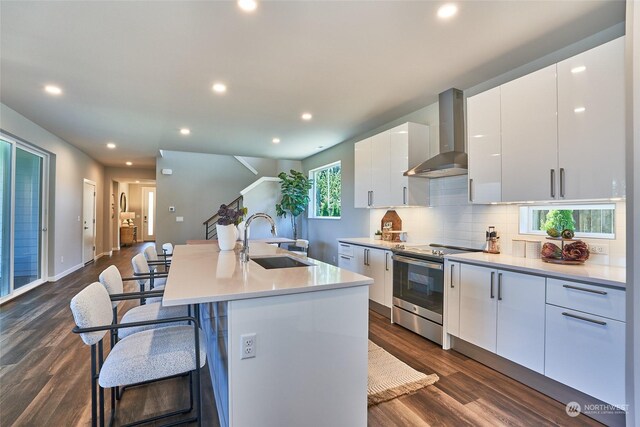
248, 5
448, 10
129, 164
579, 110
53, 90
219, 87
185, 131
276, 140
111, 145
578, 69
137, 182
478, 136
306, 116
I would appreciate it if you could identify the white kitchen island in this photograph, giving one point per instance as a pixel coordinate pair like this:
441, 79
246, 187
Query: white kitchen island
310, 325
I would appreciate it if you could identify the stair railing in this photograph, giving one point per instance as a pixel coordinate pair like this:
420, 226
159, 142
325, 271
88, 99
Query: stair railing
210, 225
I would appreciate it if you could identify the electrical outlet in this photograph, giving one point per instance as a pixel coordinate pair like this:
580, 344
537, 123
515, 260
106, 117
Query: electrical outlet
599, 248
62, 259
247, 346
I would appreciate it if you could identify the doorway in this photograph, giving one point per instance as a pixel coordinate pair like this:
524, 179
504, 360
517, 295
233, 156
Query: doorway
149, 214
23, 216
88, 221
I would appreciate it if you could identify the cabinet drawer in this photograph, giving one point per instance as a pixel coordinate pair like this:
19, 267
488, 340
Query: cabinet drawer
601, 301
586, 352
345, 249
347, 262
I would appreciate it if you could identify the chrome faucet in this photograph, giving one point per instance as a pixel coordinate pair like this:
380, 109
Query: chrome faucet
244, 253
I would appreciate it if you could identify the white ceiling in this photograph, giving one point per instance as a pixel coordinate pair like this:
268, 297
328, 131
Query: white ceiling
136, 72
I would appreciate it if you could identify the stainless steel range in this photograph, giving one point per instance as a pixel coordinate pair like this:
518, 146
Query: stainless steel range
418, 287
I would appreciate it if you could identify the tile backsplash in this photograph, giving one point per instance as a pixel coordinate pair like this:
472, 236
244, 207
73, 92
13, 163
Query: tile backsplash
452, 220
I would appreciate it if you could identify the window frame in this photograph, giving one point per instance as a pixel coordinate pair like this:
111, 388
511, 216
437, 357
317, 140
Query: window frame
525, 218
312, 192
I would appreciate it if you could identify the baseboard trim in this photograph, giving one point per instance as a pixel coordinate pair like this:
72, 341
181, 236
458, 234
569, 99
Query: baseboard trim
65, 273
115, 248
109, 253
380, 309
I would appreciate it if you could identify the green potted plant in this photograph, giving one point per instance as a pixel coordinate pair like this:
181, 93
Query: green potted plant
377, 235
295, 188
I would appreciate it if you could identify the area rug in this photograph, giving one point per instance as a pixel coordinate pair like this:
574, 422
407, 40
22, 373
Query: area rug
390, 378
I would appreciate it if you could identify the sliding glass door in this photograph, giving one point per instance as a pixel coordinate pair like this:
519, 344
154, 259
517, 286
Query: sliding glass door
23, 217
5, 217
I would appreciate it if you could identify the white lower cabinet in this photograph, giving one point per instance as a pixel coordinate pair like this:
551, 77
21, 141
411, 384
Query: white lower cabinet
452, 298
478, 306
521, 304
370, 262
503, 312
586, 352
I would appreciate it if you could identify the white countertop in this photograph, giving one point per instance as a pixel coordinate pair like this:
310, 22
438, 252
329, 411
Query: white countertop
593, 273
202, 273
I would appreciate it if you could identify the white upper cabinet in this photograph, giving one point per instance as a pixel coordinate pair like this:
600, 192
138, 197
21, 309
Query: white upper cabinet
484, 147
555, 134
530, 137
380, 162
409, 146
380, 171
591, 123
362, 178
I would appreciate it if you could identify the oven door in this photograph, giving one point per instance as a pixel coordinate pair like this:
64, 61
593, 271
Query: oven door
418, 287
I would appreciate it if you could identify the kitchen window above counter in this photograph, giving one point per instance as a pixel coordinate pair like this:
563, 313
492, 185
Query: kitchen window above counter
586, 220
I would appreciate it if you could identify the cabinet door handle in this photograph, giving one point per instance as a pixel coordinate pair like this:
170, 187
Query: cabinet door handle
404, 195
471, 189
586, 319
553, 183
493, 275
499, 286
451, 281
371, 204
345, 257
561, 182
593, 291
386, 261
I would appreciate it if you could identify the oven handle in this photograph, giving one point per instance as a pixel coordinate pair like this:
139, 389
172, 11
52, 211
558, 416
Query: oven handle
420, 263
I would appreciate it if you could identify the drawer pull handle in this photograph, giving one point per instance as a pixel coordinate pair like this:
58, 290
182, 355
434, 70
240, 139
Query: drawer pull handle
345, 257
593, 291
586, 319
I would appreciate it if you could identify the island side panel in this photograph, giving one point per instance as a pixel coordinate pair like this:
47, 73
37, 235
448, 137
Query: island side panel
311, 359
214, 325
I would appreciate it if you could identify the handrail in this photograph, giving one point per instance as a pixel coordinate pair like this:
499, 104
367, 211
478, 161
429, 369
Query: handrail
238, 199
210, 231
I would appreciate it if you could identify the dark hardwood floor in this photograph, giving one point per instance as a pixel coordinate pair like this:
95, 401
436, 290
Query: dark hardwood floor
44, 372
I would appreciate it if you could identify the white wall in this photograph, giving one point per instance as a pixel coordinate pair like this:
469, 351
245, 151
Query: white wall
263, 198
68, 168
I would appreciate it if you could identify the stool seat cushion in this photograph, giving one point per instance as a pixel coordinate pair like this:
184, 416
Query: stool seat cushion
150, 311
151, 355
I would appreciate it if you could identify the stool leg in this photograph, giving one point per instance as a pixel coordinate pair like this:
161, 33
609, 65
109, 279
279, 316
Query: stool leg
100, 389
94, 409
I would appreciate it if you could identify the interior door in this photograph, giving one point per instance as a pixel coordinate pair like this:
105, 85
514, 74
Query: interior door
88, 221
149, 214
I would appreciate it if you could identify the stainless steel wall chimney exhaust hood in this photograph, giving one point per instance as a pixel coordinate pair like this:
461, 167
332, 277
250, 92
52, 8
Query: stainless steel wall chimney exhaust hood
452, 159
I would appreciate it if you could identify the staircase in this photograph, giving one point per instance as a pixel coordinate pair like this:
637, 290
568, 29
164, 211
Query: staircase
210, 225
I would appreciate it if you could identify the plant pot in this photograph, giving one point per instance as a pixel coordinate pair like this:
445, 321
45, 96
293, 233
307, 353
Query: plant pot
227, 236
377, 237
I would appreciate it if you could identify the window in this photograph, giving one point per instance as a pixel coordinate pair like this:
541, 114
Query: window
595, 221
326, 191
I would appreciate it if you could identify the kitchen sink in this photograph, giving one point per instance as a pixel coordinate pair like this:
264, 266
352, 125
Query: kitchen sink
280, 261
